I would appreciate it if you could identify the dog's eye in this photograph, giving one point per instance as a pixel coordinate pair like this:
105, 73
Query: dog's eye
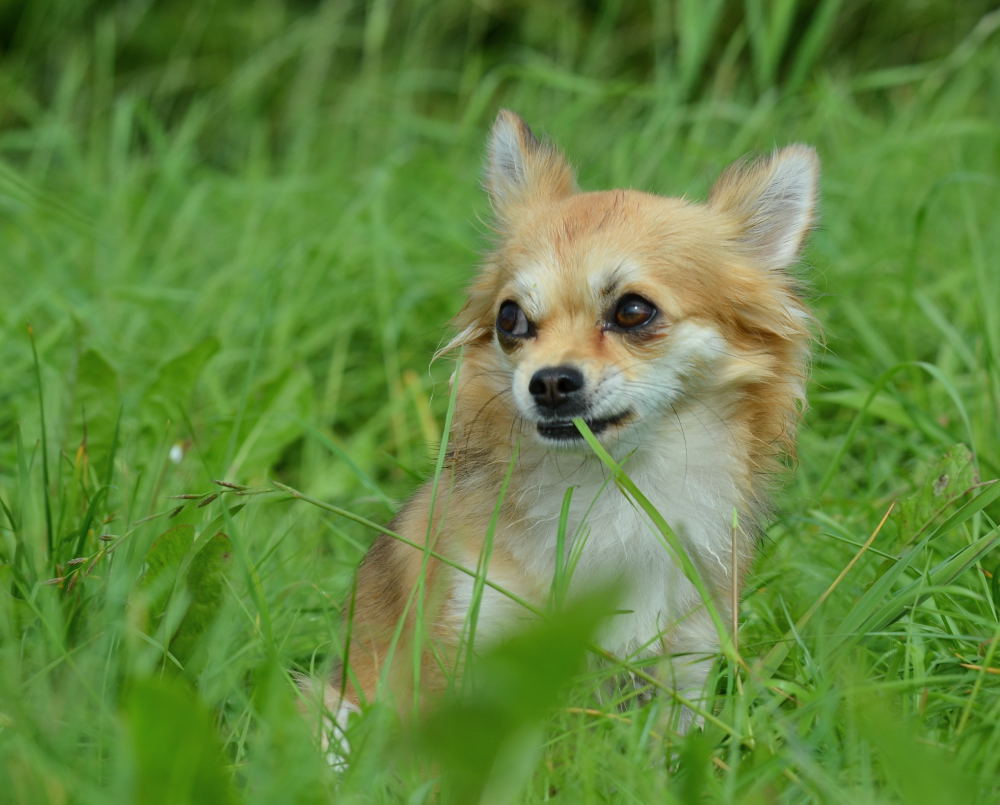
512, 321
633, 311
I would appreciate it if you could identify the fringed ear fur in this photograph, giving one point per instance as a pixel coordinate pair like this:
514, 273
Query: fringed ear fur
773, 200
520, 168
467, 335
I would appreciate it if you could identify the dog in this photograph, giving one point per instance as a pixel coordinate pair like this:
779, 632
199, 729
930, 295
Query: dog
675, 332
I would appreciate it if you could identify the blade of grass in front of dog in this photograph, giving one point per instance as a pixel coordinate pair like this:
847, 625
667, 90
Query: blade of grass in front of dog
487, 740
670, 539
419, 593
174, 739
559, 581
381, 529
479, 583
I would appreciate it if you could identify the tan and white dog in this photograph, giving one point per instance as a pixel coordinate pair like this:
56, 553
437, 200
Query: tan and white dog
674, 331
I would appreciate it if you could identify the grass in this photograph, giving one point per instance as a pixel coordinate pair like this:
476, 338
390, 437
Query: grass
230, 238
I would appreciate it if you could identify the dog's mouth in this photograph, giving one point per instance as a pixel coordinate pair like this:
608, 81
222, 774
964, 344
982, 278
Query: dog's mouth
564, 430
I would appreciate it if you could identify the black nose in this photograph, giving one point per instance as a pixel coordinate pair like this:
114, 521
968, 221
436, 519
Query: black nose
556, 388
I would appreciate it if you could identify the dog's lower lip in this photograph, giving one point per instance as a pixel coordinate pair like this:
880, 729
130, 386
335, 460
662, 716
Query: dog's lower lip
565, 429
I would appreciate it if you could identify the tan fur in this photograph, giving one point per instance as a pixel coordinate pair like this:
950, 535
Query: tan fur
566, 256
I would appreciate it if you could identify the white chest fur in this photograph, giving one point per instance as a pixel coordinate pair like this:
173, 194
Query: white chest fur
689, 477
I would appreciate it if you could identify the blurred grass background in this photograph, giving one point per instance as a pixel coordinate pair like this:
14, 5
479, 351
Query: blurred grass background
237, 230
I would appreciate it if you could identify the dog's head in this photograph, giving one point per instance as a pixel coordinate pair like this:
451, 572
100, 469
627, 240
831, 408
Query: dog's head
620, 307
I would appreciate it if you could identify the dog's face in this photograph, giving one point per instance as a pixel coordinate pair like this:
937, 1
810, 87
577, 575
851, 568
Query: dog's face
620, 306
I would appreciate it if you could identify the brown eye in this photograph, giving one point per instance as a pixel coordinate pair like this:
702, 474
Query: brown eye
511, 321
633, 311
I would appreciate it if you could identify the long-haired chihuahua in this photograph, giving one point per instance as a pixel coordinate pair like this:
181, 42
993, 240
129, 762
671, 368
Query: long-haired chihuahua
675, 332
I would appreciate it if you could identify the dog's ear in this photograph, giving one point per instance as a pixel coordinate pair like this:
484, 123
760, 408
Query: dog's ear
521, 169
773, 201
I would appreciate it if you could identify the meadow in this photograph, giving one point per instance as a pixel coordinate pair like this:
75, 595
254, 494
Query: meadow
231, 237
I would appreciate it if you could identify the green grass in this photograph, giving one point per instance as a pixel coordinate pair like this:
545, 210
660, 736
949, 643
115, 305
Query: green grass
233, 233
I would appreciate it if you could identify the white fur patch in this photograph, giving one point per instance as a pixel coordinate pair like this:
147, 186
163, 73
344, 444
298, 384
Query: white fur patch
689, 478
333, 740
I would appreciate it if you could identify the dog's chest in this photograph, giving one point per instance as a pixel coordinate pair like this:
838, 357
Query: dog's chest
606, 538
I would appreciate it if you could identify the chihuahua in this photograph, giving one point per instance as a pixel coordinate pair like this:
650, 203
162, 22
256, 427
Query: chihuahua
674, 331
